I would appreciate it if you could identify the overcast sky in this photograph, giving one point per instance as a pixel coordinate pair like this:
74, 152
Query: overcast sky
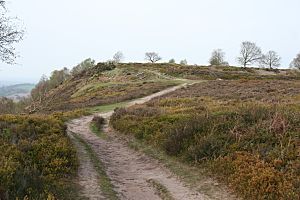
61, 33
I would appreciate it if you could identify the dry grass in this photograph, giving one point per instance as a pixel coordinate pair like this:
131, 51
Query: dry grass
102, 88
245, 132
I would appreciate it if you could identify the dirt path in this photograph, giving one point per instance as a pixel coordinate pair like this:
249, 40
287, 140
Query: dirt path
130, 172
87, 175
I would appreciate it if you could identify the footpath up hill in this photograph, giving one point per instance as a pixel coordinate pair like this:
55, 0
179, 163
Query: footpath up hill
108, 83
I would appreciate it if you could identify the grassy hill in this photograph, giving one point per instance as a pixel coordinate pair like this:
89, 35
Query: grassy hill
101, 85
98, 86
19, 89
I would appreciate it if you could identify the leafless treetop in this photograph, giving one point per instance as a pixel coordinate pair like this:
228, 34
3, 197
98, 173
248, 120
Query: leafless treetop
270, 59
296, 62
9, 35
152, 57
250, 53
118, 57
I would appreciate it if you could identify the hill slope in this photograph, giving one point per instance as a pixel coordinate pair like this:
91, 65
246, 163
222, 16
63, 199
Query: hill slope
108, 84
101, 85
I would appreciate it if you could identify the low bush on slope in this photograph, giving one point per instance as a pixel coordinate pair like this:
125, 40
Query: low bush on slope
252, 144
37, 160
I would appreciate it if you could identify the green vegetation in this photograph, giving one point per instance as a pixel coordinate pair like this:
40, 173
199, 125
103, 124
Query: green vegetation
106, 108
245, 132
109, 83
161, 190
97, 125
105, 83
105, 183
16, 89
37, 160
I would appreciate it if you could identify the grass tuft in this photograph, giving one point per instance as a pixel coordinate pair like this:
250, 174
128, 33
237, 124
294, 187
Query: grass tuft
161, 190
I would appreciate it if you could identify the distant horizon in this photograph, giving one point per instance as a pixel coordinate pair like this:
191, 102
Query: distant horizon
175, 29
26, 80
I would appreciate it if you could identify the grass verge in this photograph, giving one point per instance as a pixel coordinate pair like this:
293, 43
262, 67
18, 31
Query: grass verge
106, 108
161, 190
97, 131
106, 186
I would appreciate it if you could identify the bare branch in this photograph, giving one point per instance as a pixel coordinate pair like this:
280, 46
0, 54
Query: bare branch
296, 62
118, 57
152, 57
2, 3
271, 59
250, 53
10, 34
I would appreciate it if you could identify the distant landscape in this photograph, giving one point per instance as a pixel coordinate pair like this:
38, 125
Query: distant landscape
16, 92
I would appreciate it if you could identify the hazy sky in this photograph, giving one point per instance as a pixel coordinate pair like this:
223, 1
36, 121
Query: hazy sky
61, 33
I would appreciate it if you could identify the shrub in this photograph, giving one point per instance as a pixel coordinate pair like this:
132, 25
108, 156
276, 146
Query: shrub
267, 136
36, 157
98, 121
254, 178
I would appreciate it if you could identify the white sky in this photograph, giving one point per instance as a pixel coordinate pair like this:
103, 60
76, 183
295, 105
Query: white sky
61, 33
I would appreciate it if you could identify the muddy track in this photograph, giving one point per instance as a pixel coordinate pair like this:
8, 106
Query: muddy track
131, 173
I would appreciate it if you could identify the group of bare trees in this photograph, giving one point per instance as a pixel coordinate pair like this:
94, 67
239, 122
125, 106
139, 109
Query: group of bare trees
250, 54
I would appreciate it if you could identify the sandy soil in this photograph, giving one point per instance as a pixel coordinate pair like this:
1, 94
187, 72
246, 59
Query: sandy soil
87, 175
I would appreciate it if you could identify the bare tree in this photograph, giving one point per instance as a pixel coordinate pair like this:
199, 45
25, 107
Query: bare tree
217, 58
2, 3
296, 62
152, 57
118, 57
9, 35
271, 59
250, 53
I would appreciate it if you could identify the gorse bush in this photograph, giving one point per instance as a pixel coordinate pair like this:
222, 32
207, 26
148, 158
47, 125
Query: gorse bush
36, 157
65, 116
254, 178
254, 147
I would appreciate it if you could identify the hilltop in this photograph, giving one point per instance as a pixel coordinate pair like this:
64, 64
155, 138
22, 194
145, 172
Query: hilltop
103, 84
108, 83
